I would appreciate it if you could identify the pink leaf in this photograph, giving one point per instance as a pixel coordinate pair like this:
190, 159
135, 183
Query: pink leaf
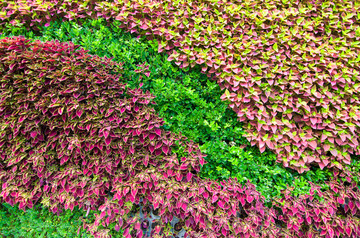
179, 177
151, 136
158, 132
348, 230
189, 176
108, 141
205, 195
223, 231
334, 152
249, 199
313, 144
165, 149
183, 166
214, 198
326, 147
146, 160
340, 200
33, 134
313, 120
317, 212
79, 112
106, 133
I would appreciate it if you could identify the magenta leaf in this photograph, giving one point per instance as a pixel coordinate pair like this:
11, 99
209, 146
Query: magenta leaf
79, 112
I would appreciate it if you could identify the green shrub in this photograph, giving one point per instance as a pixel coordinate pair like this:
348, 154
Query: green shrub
39, 222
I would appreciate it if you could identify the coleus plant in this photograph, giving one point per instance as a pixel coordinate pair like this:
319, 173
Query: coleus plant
332, 213
68, 126
289, 67
74, 135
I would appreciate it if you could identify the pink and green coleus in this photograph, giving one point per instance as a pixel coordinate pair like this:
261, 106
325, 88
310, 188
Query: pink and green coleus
74, 135
290, 68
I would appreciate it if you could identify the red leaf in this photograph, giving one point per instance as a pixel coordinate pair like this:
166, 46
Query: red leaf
157, 152
106, 133
151, 148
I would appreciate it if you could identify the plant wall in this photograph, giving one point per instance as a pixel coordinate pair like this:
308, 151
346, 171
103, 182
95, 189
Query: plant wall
289, 67
330, 213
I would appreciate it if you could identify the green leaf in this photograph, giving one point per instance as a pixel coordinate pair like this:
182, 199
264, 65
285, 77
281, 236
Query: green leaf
275, 47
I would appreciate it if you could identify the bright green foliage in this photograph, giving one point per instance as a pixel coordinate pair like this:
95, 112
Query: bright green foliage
39, 222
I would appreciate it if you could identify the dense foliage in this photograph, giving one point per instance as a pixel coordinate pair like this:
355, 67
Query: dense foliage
289, 67
188, 102
192, 107
39, 222
327, 141
67, 126
106, 152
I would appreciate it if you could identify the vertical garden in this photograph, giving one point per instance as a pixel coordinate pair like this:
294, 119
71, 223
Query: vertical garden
179, 118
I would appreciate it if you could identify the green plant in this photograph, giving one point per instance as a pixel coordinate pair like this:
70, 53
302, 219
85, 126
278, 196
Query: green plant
40, 222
